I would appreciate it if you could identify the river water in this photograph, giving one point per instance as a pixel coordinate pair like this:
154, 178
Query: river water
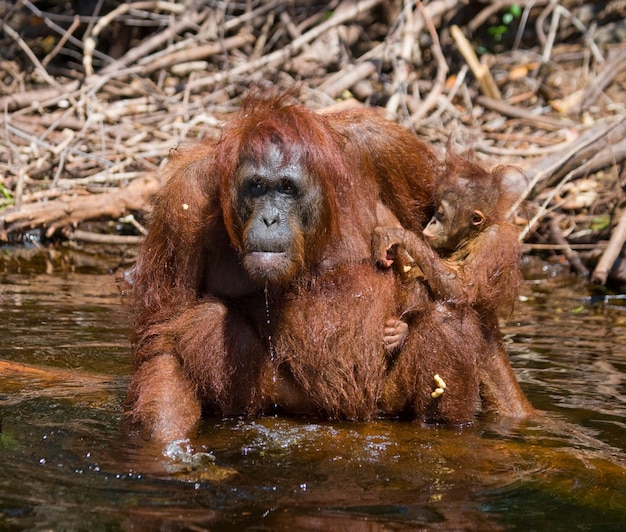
66, 462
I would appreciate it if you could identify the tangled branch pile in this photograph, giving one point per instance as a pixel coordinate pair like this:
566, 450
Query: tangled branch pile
92, 100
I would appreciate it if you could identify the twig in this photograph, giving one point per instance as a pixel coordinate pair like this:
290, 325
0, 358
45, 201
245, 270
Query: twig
404, 58
494, 7
576, 22
541, 35
522, 23
196, 52
29, 53
558, 247
483, 76
612, 252
64, 38
90, 41
264, 7
341, 16
516, 112
609, 71
442, 69
554, 26
447, 103
571, 255
261, 39
551, 164
335, 85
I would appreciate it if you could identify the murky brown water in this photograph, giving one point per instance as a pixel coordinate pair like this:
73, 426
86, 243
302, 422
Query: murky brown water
65, 463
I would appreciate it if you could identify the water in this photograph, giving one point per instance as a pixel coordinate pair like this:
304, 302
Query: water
66, 462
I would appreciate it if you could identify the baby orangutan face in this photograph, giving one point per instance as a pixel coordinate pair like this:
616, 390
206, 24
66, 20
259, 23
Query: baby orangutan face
457, 220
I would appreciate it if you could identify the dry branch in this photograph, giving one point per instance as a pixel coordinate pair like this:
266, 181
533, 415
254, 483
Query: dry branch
540, 122
442, 70
483, 75
279, 56
70, 211
90, 41
609, 72
567, 250
83, 129
572, 154
612, 252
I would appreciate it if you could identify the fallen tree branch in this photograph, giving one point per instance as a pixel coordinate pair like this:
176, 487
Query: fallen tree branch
571, 255
69, 211
612, 252
100, 238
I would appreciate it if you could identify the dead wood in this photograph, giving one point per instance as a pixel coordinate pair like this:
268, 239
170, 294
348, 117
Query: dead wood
572, 256
89, 111
70, 210
611, 253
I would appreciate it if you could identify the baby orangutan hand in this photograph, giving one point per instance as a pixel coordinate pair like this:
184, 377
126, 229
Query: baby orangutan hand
395, 332
384, 243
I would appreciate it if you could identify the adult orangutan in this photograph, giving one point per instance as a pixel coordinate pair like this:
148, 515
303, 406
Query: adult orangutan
255, 289
466, 258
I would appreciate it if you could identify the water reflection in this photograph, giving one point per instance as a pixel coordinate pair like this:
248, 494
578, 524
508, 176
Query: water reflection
66, 463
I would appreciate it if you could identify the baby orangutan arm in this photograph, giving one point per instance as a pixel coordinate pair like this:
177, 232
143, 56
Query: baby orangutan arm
391, 244
483, 272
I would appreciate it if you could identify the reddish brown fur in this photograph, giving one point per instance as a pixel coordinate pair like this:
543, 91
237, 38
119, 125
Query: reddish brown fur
441, 340
475, 274
407, 168
485, 262
208, 338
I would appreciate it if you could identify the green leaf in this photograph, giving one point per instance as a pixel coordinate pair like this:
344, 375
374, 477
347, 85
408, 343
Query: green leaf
5, 192
600, 222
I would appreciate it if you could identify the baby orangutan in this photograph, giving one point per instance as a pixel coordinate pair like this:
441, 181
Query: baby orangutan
466, 258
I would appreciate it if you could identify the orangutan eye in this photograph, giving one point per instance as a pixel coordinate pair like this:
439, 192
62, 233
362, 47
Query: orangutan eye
257, 188
288, 188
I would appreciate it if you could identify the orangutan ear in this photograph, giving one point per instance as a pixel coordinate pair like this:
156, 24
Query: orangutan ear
478, 218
